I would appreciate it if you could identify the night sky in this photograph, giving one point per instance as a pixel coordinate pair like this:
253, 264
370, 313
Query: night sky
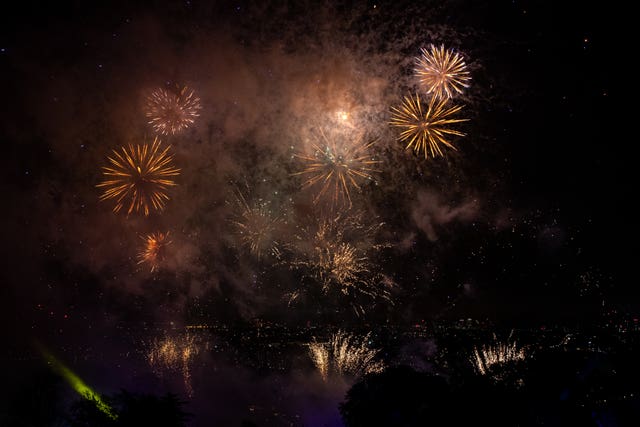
523, 226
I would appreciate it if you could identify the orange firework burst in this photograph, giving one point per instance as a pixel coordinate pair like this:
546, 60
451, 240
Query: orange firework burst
442, 72
425, 131
170, 112
336, 168
154, 251
139, 176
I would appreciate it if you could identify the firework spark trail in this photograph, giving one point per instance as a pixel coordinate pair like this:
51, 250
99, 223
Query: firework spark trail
174, 354
336, 168
485, 358
425, 131
139, 176
169, 112
345, 354
154, 251
442, 72
256, 225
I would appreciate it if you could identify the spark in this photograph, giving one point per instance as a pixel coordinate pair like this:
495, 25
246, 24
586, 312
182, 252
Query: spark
174, 354
425, 131
77, 384
170, 112
345, 354
488, 357
154, 251
442, 72
336, 168
256, 225
291, 297
139, 177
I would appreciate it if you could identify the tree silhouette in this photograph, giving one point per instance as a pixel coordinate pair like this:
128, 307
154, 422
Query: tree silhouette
399, 396
132, 410
558, 388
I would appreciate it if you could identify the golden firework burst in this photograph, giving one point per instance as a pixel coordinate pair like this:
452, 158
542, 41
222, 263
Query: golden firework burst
345, 354
339, 263
171, 112
256, 226
484, 359
174, 353
442, 72
155, 245
139, 176
425, 131
336, 168
337, 253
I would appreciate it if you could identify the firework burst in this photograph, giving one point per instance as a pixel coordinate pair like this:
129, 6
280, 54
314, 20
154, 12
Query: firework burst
337, 253
139, 176
171, 112
174, 354
256, 226
154, 252
339, 262
344, 355
488, 357
337, 168
442, 72
426, 131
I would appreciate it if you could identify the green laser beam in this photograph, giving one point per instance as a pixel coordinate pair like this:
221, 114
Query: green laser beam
77, 384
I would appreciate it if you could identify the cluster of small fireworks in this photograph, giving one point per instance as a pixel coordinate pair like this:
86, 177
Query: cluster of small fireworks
336, 168
174, 354
345, 354
442, 72
154, 251
337, 253
170, 112
425, 131
256, 226
488, 357
139, 177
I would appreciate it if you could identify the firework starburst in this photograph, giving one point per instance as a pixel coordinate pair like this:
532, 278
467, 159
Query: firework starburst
170, 112
425, 131
442, 72
138, 177
256, 226
336, 168
155, 245
345, 354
